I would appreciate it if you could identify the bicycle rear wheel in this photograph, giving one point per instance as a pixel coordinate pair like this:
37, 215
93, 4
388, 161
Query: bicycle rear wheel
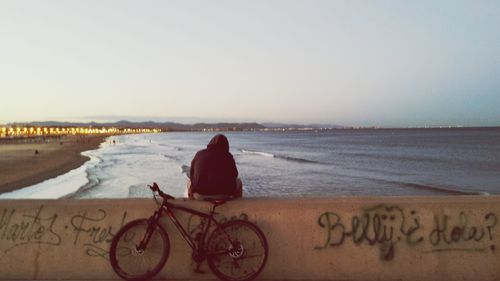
237, 251
139, 250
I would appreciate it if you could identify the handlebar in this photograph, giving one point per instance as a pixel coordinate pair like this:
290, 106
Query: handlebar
156, 188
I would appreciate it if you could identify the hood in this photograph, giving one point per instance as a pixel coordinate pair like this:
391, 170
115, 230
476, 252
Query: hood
219, 142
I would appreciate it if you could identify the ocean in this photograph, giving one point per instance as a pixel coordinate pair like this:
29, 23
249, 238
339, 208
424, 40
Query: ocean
380, 162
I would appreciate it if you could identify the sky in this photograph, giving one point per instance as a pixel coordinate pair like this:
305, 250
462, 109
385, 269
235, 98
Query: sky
361, 63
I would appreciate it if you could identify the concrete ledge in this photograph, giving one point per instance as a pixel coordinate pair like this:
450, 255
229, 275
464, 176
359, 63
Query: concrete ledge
369, 238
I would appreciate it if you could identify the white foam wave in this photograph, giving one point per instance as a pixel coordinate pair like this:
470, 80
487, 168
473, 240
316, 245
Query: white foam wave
258, 153
282, 157
185, 169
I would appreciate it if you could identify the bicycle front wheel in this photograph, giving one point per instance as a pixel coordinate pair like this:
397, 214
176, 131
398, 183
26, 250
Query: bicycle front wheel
139, 250
237, 251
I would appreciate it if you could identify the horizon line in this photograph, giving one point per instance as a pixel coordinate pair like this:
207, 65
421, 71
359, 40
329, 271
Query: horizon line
278, 124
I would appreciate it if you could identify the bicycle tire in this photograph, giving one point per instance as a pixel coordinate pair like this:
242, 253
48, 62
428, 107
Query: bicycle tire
131, 264
228, 260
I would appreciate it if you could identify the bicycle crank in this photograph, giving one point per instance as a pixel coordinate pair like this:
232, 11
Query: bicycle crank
236, 251
138, 251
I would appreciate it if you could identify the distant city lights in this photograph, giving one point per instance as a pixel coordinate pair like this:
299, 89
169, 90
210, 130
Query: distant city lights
7, 132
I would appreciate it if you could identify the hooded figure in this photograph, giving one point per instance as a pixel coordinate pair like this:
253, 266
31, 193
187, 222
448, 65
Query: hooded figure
213, 170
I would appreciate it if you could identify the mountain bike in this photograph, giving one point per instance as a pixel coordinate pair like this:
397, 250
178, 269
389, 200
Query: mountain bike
235, 250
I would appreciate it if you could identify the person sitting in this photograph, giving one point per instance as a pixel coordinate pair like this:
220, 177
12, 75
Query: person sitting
213, 173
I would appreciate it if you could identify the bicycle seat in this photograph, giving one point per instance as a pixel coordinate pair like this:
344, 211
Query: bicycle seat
217, 199
217, 202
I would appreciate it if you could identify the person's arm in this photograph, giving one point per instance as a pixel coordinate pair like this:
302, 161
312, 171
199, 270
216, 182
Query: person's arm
234, 170
191, 169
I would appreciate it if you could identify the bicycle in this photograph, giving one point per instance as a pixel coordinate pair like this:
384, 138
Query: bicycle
235, 250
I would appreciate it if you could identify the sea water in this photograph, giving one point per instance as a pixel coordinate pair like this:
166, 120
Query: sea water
289, 164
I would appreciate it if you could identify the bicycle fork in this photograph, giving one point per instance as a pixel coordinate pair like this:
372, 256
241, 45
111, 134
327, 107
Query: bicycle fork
152, 223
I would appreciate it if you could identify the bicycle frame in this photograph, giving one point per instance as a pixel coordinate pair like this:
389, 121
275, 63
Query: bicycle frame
224, 244
169, 207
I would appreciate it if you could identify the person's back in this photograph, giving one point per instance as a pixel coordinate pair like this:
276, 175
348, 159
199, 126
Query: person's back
213, 170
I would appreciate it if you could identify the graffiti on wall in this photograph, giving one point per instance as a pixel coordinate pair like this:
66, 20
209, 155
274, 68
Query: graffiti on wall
31, 228
386, 226
86, 228
196, 225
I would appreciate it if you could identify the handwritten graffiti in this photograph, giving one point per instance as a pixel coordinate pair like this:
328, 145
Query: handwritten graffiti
196, 224
381, 225
386, 226
95, 235
446, 233
89, 229
32, 228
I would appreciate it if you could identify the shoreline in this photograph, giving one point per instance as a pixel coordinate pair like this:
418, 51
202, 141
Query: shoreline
21, 166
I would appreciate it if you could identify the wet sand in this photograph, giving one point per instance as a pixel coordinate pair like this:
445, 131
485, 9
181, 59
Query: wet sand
20, 166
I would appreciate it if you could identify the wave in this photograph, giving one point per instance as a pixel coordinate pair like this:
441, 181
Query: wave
282, 157
445, 190
258, 153
170, 157
135, 190
176, 148
301, 160
433, 188
185, 169
393, 157
91, 182
92, 179
439, 189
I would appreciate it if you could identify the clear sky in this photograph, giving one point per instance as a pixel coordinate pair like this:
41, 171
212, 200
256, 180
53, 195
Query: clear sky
387, 63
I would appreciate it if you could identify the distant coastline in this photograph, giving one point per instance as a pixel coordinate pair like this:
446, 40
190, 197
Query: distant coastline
222, 126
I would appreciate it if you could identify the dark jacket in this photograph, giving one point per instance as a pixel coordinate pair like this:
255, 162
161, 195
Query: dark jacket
213, 170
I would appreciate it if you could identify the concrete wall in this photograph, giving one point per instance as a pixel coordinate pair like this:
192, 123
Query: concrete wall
378, 238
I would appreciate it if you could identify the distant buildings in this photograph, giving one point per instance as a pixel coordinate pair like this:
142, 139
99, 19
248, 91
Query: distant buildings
32, 131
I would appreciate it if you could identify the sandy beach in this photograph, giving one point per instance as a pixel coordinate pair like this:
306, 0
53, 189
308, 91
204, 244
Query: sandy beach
21, 165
